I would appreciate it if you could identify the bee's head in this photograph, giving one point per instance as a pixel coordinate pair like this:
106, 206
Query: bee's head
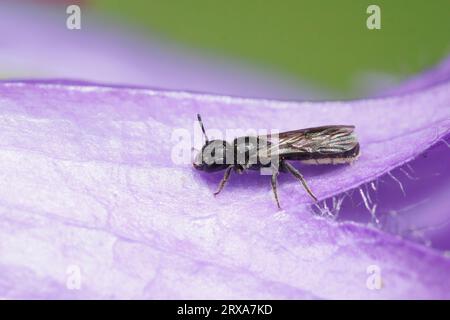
212, 157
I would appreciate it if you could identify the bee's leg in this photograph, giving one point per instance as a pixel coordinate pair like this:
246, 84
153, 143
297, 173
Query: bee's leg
224, 179
274, 186
299, 176
239, 169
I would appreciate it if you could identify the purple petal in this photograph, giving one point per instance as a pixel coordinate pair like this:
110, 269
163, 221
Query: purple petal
102, 52
434, 76
88, 180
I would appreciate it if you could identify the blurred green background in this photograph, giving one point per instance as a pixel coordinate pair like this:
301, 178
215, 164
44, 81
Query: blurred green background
325, 42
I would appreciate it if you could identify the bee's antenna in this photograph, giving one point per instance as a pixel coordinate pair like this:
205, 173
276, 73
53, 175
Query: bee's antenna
201, 125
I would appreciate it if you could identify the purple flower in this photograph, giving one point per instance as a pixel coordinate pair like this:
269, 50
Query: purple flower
92, 204
120, 57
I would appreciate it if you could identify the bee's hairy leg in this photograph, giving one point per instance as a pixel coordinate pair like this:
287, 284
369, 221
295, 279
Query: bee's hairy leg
299, 176
224, 179
239, 169
274, 185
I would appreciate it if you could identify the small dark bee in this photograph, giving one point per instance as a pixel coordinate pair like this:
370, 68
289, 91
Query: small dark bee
319, 145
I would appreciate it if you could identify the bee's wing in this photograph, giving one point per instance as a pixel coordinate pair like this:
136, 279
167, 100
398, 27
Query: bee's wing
322, 140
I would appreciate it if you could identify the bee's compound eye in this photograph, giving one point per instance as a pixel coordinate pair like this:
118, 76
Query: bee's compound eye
198, 160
